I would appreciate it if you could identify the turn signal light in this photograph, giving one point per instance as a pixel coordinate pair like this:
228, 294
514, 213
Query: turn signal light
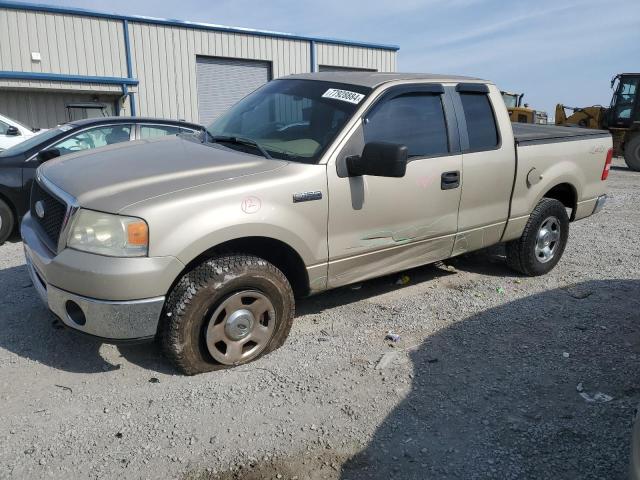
607, 165
137, 233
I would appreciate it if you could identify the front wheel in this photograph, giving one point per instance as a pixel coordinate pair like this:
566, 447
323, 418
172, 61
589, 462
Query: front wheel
543, 240
227, 311
632, 153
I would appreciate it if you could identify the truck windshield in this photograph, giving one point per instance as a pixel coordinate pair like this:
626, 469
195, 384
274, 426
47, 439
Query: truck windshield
510, 100
290, 119
625, 97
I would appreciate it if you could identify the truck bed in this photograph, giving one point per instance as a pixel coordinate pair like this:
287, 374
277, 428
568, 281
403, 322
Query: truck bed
527, 134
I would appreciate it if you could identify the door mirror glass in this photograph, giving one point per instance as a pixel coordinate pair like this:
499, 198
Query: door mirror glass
48, 154
379, 159
12, 131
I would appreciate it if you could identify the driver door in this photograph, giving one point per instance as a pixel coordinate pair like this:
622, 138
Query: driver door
379, 225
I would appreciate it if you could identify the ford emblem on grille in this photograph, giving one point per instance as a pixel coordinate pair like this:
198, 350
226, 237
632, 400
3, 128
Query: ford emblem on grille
39, 209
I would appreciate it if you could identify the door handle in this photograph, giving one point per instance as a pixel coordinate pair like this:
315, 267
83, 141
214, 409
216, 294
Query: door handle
450, 180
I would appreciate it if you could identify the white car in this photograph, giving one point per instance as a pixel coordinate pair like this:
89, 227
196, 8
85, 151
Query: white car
12, 132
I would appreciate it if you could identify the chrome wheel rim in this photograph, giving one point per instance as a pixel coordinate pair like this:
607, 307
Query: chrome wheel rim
548, 240
240, 327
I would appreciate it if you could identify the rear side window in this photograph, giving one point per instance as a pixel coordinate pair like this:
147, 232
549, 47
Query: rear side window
151, 131
481, 124
415, 120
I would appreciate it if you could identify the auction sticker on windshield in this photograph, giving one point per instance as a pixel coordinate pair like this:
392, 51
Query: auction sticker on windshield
344, 95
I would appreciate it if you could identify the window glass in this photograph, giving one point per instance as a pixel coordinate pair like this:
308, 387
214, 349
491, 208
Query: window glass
3, 128
625, 98
481, 124
94, 138
150, 131
291, 119
34, 142
415, 120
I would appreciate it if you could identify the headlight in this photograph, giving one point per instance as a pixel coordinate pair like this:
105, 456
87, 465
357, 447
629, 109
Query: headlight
112, 235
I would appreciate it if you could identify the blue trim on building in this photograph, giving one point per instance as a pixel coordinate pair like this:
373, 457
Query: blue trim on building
127, 48
187, 24
312, 51
60, 77
132, 98
127, 53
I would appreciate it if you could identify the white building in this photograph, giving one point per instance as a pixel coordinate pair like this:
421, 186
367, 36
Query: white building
51, 57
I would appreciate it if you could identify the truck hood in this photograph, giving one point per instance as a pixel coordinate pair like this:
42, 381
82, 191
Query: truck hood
111, 178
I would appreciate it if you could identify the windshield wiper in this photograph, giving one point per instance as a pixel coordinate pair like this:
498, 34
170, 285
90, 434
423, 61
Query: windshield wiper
240, 141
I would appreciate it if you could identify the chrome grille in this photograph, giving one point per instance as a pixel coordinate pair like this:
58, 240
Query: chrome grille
54, 212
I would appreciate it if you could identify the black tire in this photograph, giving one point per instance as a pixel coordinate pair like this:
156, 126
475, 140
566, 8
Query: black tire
632, 153
7, 222
198, 293
521, 253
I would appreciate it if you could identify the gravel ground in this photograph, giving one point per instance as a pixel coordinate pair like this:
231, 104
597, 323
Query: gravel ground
485, 382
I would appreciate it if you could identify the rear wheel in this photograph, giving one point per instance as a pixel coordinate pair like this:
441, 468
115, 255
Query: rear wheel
632, 153
7, 222
543, 241
227, 311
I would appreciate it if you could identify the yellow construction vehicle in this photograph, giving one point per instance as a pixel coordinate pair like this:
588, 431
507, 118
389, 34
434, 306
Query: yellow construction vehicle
621, 118
519, 112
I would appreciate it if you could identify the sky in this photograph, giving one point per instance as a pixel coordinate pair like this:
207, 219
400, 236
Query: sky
562, 51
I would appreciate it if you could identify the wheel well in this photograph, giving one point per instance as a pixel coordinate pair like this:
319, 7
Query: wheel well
273, 251
565, 194
16, 219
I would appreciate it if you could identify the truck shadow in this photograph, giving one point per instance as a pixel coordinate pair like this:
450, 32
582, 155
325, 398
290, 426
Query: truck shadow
367, 289
30, 331
490, 261
496, 395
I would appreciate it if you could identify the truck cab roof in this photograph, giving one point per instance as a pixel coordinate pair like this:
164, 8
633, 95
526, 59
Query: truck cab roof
375, 79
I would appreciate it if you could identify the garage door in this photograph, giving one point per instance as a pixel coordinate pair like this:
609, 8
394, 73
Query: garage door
47, 109
332, 68
222, 82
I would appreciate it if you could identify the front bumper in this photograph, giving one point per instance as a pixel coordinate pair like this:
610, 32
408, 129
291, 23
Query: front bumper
110, 320
74, 287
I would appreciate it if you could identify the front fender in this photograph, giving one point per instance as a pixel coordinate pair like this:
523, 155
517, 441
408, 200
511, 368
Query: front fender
192, 221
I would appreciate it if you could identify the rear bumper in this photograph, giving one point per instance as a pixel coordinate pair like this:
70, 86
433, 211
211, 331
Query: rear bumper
589, 207
115, 299
602, 199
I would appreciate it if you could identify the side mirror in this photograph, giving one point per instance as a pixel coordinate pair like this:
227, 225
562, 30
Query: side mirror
48, 154
379, 159
12, 131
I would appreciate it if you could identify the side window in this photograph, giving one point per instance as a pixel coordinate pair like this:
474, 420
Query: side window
481, 123
414, 119
3, 128
151, 131
95, 138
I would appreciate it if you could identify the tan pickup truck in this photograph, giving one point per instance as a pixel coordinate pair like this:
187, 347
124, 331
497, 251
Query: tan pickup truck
312, 182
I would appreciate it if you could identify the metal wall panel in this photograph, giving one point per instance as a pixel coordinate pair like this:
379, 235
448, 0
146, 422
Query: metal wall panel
164, 62
45, 109
163, 54
68, 44
224, 81
334, 68
356, 57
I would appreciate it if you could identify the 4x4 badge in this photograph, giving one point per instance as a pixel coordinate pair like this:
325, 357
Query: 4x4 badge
306, 196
